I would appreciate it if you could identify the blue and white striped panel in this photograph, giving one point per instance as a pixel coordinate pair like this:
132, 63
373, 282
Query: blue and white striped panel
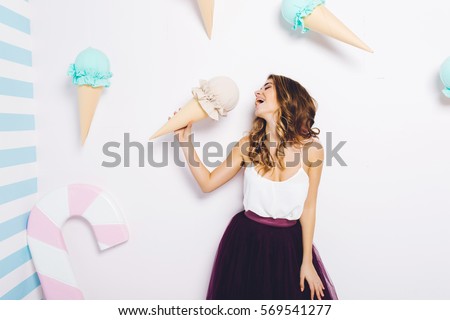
18, 174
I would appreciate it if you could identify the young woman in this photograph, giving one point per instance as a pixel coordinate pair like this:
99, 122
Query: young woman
267, 250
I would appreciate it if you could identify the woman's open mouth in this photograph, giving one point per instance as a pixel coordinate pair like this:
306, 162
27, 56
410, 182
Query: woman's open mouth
258, 102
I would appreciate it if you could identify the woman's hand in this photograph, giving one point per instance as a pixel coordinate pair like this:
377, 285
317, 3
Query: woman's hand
183, 133
308, 272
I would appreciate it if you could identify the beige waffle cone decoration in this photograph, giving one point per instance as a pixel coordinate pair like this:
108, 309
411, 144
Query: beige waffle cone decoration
192, 111
325, 22
88, 98
207, 12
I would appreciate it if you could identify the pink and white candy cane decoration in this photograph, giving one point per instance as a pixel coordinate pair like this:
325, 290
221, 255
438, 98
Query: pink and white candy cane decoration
46, 242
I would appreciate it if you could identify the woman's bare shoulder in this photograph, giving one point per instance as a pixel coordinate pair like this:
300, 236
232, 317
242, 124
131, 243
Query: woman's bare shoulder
313, 141
244, 139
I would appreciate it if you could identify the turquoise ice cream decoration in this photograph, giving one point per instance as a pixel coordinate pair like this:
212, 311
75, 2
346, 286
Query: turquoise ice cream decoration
445, 77
294, 11
90, 73
91, 68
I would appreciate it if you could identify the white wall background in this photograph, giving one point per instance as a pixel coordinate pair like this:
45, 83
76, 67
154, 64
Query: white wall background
383, 220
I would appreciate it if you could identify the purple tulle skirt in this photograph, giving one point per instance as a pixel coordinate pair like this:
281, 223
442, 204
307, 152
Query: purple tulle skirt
259, 259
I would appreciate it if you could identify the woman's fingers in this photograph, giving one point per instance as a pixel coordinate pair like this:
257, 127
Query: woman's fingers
311, 287
315, 292
316, 288
319, 287
319, 293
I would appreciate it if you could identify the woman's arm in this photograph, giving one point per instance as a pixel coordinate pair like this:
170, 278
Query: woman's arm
209, 181
315, 160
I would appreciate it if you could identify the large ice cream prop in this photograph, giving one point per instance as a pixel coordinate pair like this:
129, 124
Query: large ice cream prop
214, 98
91, 74
207, 12
46, 242
312, 14
445, 77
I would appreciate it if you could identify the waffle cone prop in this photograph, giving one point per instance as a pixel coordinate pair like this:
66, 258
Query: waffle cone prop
207, 12
88, 98
91, 74
313, 15
212, 99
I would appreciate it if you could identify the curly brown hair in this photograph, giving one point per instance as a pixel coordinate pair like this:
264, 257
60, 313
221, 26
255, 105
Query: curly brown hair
294, 121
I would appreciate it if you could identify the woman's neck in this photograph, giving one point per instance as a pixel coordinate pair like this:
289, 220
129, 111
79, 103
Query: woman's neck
271, 133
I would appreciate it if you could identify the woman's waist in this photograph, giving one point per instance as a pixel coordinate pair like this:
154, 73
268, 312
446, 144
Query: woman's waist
281, 223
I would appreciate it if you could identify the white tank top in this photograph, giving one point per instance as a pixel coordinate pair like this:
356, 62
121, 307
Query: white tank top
275, 199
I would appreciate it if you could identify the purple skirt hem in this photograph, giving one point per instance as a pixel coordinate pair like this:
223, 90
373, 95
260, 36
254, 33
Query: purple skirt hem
259, 258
